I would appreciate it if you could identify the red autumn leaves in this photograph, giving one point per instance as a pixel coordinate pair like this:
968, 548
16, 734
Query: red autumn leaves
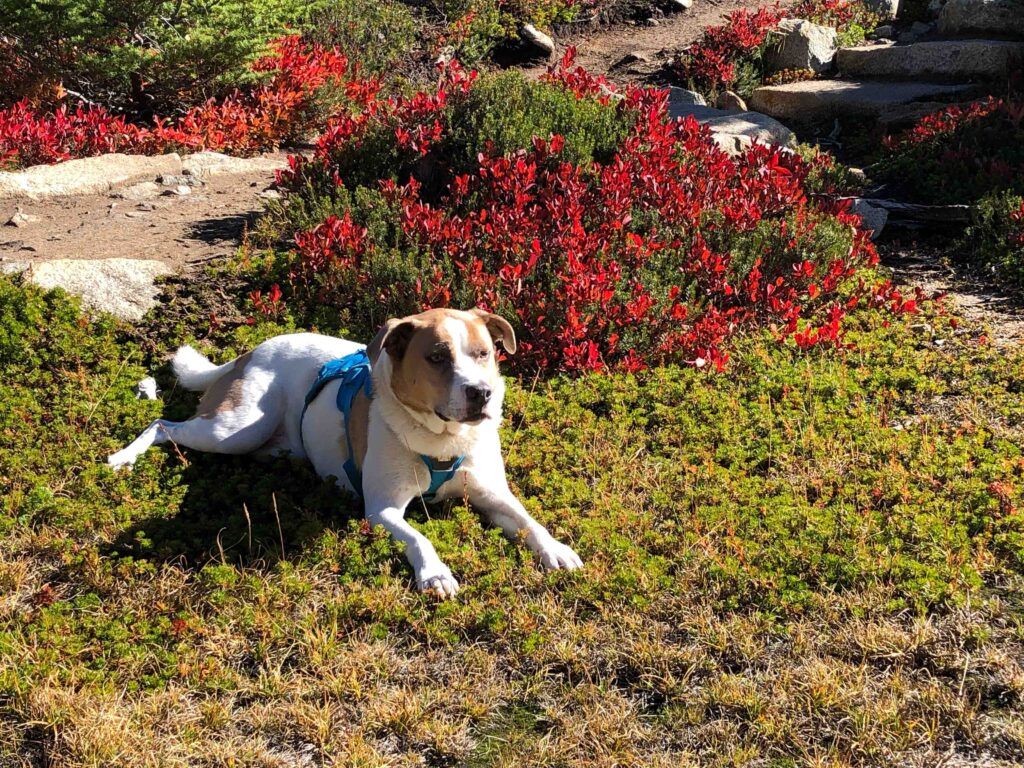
659, 255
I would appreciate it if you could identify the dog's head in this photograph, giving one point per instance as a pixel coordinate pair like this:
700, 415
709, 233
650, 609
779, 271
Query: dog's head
443, 362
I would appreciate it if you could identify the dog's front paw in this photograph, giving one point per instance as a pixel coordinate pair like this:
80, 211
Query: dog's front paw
554, 555
437, 580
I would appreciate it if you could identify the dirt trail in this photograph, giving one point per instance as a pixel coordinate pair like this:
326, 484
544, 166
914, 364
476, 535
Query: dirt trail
975, 300
178, 230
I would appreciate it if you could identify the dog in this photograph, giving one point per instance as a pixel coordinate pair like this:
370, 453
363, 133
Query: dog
413, 414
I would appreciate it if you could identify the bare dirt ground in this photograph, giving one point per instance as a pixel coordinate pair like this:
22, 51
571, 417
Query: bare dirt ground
976, 300
179, 230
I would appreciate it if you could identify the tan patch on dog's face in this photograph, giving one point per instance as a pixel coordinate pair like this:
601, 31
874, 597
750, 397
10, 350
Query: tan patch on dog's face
225, 394
421, 377
436, 355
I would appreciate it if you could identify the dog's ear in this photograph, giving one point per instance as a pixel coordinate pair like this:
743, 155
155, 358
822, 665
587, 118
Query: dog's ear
499, 328
394, 337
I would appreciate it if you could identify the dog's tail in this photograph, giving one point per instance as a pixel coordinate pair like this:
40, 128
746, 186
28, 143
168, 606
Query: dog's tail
195, 371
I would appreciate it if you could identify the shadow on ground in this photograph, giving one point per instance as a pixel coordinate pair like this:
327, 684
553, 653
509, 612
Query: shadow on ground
238, 510
216, 231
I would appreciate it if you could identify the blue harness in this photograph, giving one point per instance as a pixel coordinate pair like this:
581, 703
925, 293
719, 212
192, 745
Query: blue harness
354, 372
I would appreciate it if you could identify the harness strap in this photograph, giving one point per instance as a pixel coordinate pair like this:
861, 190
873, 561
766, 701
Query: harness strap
440, 474
354, 372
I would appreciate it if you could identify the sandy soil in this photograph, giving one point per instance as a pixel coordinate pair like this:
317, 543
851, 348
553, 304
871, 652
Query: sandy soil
178, 230
977, 301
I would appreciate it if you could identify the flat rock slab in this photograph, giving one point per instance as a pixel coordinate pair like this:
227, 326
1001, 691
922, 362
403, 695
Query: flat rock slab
125, 288
1004, 18
935, 60
88, 176
206, 164
820, 99
735, 131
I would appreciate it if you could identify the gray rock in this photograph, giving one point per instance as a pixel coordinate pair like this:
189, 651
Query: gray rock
123, 287
873, 218
88, 176
700, 112
887, 9
141, 191
177, 179
812, 100
956, 60
633, 57
179, 191
21, 219
682, 98
736, 131
731, 102
1000, 17
804, 45
205, 164
537, 39
917, 30
935, 7
904, 115
884, 32
13, 267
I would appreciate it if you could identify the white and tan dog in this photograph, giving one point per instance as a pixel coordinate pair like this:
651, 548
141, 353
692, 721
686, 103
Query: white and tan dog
436, 392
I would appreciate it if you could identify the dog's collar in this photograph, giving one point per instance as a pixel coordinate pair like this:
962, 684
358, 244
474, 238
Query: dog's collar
354, 372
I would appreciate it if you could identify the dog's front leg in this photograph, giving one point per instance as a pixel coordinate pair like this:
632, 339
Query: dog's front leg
495, 499
432, 575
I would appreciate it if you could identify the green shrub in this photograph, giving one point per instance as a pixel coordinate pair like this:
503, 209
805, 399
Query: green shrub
375, 34
994, 243
508, 110
475, 27
958, 154
148, 55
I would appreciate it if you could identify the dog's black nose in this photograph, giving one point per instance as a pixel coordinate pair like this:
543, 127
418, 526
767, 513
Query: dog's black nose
478, 394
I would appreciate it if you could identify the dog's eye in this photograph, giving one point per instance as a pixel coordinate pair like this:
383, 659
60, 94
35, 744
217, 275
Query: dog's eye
482, 354
437, 357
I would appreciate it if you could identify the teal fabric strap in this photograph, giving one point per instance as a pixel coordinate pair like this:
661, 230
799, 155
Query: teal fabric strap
354, 372
440, 475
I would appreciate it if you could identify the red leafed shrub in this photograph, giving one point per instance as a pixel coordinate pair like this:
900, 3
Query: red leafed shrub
1016, 236
729, 55
837, 13
958, 154
659, 254
301, 78
712, 62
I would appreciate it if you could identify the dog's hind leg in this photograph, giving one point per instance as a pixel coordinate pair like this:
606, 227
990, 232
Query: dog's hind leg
238, 414
241, 431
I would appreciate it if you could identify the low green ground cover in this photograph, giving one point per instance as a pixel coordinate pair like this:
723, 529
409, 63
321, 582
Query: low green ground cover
814, 558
